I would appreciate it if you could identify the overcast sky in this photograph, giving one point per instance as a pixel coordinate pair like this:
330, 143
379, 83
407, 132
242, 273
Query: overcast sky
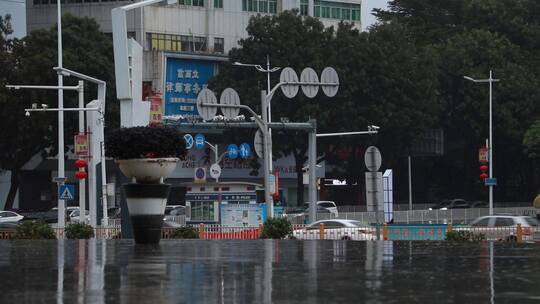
16, 8
367, 5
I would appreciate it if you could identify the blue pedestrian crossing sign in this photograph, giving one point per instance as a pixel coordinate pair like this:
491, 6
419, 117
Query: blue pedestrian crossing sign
232, 151
245, 151
66, 192
199, 141
189, 141
490, 182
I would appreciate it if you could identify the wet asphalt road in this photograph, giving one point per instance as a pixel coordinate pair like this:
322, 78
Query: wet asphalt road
267, 271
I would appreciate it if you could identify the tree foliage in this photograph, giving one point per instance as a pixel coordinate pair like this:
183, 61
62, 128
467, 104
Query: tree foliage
30, 61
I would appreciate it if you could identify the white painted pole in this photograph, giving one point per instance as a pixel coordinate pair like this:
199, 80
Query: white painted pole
82, 182
61, 170
267, 164
410, 184
490, 148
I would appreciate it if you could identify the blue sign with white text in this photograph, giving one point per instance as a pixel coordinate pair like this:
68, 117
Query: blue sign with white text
189, 141
199, 141
232, 151
245, 151
184, 79
66, 192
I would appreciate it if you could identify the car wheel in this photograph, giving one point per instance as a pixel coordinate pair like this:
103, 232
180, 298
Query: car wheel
511, 238
346, 238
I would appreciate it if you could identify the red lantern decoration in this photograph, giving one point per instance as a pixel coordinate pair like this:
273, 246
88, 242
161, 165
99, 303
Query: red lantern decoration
80, 175
484, 168
483, 176
80, 163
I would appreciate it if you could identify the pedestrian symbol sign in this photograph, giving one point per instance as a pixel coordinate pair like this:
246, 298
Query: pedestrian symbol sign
66, 192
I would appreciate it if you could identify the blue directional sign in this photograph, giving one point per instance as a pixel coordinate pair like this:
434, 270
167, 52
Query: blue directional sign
232, 151
199, 141
245, 151
189, 141
490, 182
66, 192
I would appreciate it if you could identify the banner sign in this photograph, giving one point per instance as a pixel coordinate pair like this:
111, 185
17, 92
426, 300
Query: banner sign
156, 109
81, 144
483, 155
184, 79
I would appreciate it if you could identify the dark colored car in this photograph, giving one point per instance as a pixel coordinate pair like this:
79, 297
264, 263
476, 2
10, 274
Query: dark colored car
451, 204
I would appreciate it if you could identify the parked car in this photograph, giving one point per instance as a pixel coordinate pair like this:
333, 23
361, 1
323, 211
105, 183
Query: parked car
169, 208
451, 204
336, 229
10, 217
479, 204
74, 216
503, 227
178, 210
328, 205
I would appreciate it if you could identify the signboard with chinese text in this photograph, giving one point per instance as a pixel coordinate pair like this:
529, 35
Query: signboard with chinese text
184, 79
81, 144
483, 155
156, 109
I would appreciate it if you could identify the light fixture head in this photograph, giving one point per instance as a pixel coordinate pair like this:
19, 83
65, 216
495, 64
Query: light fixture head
27, 114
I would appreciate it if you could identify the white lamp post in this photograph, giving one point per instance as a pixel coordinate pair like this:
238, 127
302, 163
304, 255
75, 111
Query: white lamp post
490, 80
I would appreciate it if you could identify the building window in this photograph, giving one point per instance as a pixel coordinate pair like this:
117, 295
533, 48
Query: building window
337, 10
219, 45
218, 3
202, 211
304, 7
192, 2
176, 43
260, 6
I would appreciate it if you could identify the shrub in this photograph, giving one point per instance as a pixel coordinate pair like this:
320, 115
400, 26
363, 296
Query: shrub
79, 231
276, 228
145, 142
33, 230
464, 236
186, 232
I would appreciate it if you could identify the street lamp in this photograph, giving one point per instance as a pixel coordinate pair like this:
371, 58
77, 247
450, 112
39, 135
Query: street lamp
490, 80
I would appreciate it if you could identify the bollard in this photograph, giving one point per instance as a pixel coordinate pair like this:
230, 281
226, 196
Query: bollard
519, 233
201, 231
385, 232
321, 231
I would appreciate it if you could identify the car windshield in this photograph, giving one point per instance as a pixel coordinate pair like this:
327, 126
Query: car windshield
531, 221
443, 204
326, 204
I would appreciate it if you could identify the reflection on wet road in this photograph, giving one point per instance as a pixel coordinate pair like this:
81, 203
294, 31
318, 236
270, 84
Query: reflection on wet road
267, 271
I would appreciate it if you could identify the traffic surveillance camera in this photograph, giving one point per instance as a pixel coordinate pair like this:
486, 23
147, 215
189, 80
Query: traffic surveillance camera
44, 106
27, 114
373, 127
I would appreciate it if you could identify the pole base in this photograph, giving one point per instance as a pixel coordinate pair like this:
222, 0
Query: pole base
146, 206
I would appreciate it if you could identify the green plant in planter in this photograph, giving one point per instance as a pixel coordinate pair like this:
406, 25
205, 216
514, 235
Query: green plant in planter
144, 142
464, 236
186, 232
34, 230
276, 228
79, 231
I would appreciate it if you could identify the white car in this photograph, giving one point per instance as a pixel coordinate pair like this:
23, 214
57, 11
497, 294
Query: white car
328, 205
336, 229
503, 227
75, 215
10, 217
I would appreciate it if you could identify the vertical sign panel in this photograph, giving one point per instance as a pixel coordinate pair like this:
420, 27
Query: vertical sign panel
184, 79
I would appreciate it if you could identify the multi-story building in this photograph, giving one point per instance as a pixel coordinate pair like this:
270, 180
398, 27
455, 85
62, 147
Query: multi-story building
182, 44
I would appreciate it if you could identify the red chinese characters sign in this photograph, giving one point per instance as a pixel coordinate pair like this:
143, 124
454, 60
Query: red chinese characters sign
483, 155
81, 144
156, 109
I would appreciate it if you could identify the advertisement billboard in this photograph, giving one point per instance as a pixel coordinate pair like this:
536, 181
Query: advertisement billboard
184, 79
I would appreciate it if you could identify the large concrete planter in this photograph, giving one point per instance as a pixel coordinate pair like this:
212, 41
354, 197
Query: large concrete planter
147, 170
146, 206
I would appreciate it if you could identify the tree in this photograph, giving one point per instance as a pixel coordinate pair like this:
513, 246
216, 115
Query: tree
30, 61
384, 79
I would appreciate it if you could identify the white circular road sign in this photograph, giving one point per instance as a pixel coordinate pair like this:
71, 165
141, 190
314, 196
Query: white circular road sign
373, 159
230, 97
215, 171
206, 112
329, 75
309, 75
289, 75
